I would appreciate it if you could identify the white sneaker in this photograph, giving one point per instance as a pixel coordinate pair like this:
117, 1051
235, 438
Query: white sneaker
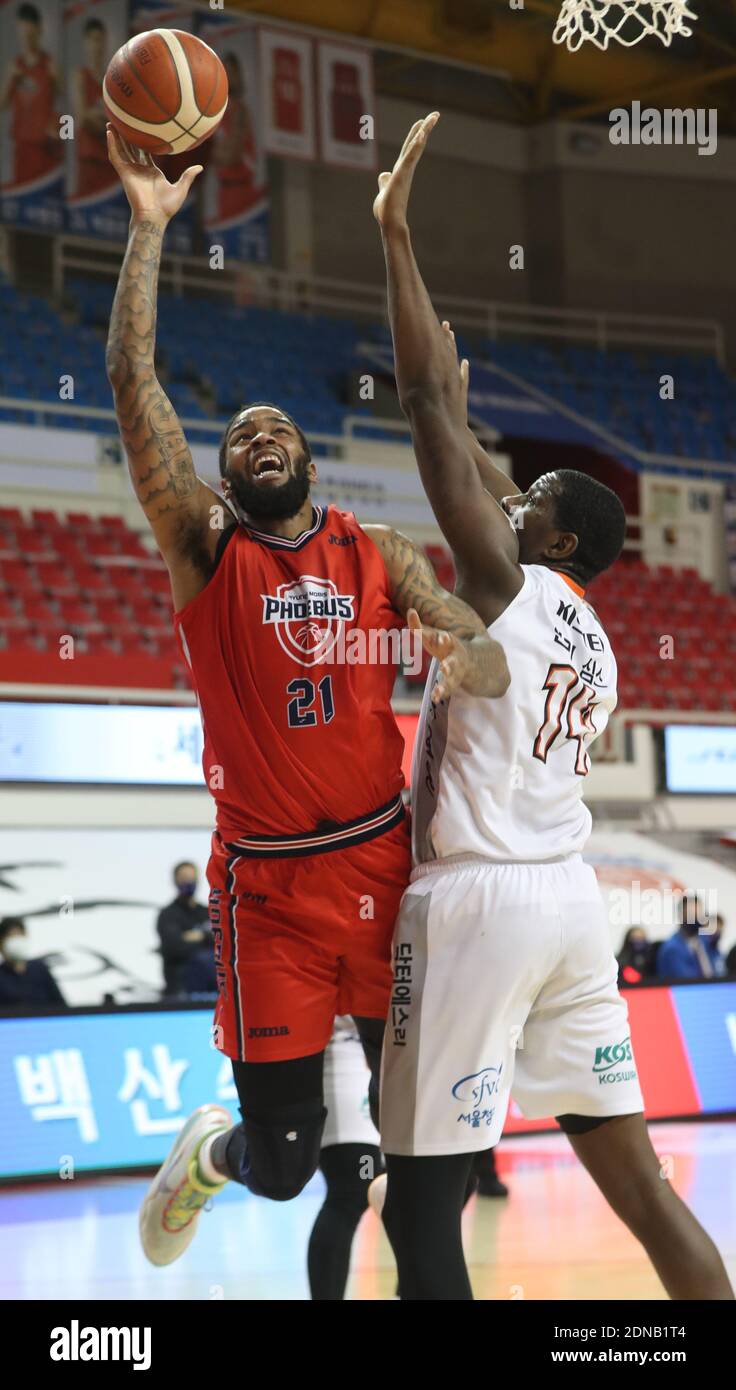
170, 1211
377, 1194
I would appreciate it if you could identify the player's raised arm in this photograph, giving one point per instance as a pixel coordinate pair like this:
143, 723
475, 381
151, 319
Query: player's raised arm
175, 501
451, 630
493, 478
433, 397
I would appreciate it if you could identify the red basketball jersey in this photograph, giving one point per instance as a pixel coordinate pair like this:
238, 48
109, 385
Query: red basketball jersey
237, 189
32, 120
295, 743
94, 171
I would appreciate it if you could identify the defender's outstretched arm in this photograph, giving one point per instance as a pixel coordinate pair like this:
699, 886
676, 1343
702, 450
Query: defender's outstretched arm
430, 386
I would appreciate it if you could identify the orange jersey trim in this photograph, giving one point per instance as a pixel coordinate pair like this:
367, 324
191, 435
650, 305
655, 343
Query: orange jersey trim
571, 584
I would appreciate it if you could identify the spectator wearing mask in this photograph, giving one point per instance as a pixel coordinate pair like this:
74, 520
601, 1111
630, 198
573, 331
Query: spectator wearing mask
726, 969
24, 978
634, 958
691, 953
187, 945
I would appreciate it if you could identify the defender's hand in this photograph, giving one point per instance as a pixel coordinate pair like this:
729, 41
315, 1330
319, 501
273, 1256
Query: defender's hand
463, 367
390, 206
451, 653
148, 190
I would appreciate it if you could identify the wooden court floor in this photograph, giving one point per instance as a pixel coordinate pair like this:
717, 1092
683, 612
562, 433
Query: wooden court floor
553, 1238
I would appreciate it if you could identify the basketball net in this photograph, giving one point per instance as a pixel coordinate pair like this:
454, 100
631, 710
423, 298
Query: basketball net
599, 21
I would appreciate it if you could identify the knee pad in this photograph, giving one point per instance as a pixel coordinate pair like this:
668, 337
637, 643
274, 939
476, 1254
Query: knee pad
280, 1158
581, 1124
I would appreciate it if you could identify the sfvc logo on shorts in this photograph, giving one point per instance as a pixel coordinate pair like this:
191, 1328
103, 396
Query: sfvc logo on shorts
307, 614
612, 1055
479, 1086
475, 1091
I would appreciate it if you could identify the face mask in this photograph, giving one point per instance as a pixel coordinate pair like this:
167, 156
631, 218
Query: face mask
691, 928
187, 890
17, 948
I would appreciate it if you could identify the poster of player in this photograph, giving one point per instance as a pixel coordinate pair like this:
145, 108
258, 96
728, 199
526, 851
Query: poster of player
95, 202
346, 105
184, 232
31, 101
235, 190
286, 70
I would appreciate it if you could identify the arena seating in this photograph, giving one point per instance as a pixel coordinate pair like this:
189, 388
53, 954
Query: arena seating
620, 390
93, 579
307, 360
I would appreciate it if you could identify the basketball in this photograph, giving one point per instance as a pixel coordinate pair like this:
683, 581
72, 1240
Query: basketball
165, 91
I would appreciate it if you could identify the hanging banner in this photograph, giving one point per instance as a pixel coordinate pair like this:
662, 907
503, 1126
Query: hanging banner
95, 202
236, 208
346, 106
286, 69
31, 101
184, 232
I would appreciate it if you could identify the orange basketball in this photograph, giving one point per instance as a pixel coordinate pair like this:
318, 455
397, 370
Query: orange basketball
165, 91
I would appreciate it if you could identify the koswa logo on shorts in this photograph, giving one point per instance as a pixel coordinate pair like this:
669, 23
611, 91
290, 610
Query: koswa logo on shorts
307, 614
612, 1055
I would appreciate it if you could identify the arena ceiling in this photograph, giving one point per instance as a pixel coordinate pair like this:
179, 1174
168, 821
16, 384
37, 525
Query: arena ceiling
483, 58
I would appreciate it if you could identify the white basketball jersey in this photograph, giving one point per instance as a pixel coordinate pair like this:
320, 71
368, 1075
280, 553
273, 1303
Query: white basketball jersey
504, 778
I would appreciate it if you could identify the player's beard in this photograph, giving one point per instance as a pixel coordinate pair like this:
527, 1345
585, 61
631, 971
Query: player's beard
267, 503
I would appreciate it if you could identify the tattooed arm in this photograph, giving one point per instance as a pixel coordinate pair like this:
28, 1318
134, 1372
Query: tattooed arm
450, 630
184, 513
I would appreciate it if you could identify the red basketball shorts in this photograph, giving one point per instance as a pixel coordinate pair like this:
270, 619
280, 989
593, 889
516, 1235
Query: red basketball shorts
300, 939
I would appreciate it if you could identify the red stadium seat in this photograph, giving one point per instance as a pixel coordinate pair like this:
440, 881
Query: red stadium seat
36, 609
102, 545
131, 545
22, 639
75, 613
19, 576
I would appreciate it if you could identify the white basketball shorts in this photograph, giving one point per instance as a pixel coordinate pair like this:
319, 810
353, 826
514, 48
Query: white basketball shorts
504, 983
346, 1078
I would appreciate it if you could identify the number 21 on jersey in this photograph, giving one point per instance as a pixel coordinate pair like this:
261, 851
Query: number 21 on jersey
568, 712
302, 710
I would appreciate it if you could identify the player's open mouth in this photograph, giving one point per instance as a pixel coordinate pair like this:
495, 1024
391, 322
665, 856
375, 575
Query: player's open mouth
268, 464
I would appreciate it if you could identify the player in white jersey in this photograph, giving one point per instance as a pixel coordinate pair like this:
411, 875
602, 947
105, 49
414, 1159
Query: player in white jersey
505, 981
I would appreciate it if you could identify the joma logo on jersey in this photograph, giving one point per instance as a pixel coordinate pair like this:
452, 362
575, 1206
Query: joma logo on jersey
612, 1055
307, 614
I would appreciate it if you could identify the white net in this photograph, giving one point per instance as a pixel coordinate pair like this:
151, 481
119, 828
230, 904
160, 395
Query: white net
626, 22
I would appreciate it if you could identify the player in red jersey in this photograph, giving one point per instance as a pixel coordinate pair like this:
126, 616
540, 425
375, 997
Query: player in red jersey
29, 89
234, 150
94, 174
302, 754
